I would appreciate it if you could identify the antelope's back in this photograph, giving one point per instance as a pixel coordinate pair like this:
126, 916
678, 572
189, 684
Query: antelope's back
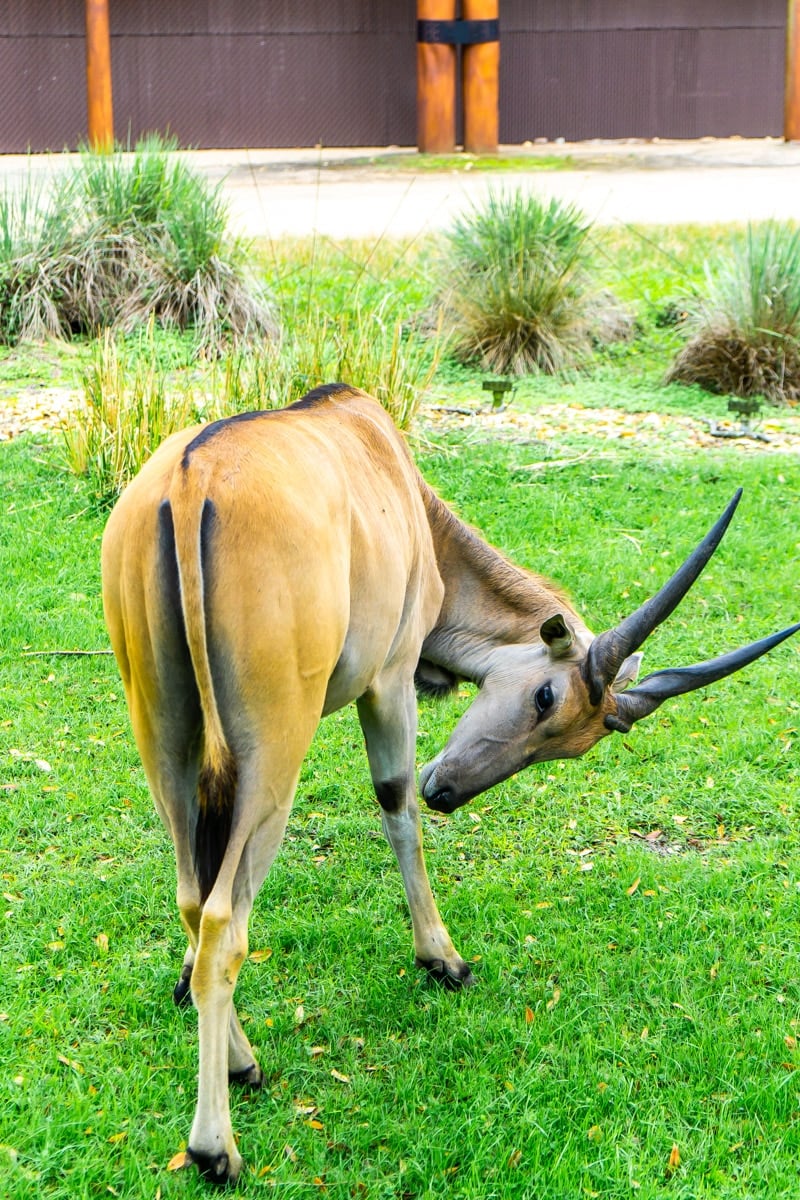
314, 540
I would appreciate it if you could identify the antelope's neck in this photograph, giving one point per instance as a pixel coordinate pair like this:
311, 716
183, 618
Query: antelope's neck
488, 602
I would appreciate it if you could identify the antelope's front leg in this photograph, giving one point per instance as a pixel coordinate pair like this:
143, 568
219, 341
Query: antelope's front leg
388, 716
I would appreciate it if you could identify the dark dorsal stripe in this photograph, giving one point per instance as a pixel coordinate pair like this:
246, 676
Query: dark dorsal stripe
311, 400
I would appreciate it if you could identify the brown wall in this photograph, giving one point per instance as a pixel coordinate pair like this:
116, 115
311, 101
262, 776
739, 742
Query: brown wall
342, 72
639, 68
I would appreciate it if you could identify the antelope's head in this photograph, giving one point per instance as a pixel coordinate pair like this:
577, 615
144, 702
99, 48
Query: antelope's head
557, 697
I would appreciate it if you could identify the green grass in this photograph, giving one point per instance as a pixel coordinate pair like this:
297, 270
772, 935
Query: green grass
423, 163
610, 1022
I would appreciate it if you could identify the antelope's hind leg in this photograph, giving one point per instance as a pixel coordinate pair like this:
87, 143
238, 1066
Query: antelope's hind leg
388, 716
262, 809
242, 1067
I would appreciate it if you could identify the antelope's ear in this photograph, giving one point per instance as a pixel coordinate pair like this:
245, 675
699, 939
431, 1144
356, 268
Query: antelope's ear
628, 673
557, 635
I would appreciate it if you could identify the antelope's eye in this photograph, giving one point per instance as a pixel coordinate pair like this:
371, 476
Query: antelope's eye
543, 698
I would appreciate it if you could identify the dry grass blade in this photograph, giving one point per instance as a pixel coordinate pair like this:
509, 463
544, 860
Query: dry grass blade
128, 412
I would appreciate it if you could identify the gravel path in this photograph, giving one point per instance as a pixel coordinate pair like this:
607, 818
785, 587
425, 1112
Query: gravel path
43, 410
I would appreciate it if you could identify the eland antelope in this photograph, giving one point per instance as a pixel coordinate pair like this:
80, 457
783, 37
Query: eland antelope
266, 569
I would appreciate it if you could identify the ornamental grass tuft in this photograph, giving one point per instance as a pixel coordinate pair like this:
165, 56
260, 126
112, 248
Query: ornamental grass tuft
122, 238
745, 323
37, 249
515, 294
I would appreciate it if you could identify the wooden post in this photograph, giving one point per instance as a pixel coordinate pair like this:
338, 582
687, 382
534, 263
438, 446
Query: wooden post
791, 95
436, 84
481, 75
98, 76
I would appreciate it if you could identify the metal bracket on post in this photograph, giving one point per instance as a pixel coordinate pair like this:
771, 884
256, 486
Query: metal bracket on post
458, 33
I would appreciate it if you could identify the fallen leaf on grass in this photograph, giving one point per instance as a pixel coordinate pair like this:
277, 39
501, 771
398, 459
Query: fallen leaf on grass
339, 1076
260, 955
515, 1158
629, 891
674, 1160
70, 1062
305, 1108
179, 1161
528, 1015
119, 1137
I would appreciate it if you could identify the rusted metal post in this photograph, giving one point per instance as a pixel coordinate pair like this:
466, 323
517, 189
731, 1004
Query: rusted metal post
99, 106
791, 95
436, 83
481, 77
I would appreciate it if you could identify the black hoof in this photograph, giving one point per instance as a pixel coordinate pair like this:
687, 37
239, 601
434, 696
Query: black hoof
451, 978
182, 992
252, 1077
214, 1169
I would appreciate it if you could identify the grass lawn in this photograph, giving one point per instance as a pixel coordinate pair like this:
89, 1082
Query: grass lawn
632, 917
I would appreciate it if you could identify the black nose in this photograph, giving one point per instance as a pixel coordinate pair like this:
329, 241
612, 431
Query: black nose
442, 801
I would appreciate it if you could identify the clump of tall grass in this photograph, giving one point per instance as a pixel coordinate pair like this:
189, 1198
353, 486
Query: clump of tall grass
133, 400
515, 289
745, 323
130, 406
37, 247
141, 236
368, 347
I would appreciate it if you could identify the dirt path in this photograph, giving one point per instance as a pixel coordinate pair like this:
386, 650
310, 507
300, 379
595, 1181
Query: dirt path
553, 425
562, 430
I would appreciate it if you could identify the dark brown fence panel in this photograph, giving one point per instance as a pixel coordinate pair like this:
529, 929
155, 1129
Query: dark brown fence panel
254, 73
582, 15
266, 91
343, 72
42, 93
629, 68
